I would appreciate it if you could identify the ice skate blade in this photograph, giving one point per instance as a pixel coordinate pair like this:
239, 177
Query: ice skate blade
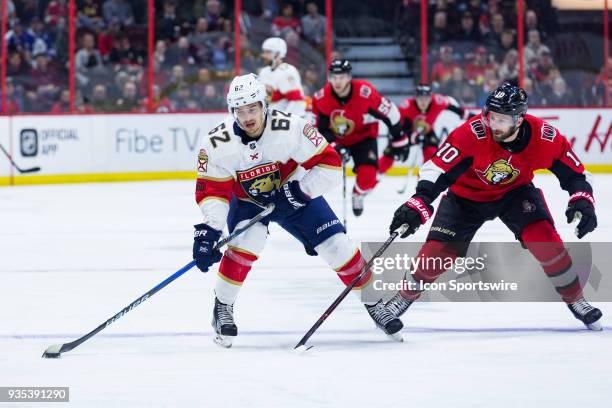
224, 341
396, 337
595, 326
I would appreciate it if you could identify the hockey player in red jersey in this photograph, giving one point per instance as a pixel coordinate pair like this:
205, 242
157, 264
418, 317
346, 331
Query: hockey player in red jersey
418, 116
347, 110
488, 164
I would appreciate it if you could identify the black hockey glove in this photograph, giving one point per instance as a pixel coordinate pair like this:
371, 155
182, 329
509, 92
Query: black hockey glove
582, 206
399, 148
344, 153
287, 199
413, 212
204, 240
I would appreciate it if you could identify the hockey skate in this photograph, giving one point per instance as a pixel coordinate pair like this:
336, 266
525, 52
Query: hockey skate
224, 325
586, 313
357, 201
385, 321
398, 305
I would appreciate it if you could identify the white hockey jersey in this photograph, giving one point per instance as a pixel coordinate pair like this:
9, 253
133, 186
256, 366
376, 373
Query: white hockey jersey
230, 163
284, 87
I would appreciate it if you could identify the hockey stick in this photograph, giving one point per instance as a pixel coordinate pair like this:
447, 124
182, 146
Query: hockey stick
411, 163
56, 350
301, 346
19, 169
344, 193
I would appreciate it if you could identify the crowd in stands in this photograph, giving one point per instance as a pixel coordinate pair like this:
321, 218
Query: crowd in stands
193, 54
473, 47
472, 44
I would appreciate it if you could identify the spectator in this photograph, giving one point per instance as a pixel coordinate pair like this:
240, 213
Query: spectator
454, 85
493, 38
440, 32
43, 77
27, 10
507, 44
56, 10
182, 53
14, 99
213, 15
90, 16
16, 66
88, 61
531, 22
310, 81
598, 88
545, 71
475, 70
129, 98
313, 25
212, 99
181, 100
120, 10
468, 31
169, 27
124, 54
285, 22
220, 58
201, 40
533, 47
509, 69
160, 56
107, 36
38, 38
16, 38
443, 69
99, 99
560, 95
534, 96
63, 104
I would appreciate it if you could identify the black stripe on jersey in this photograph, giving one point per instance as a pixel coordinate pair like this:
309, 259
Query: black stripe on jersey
428, 191
570, 180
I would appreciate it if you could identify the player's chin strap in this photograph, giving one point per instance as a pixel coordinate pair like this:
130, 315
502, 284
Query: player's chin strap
301, 346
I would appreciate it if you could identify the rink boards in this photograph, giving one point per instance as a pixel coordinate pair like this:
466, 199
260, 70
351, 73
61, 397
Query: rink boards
84, 148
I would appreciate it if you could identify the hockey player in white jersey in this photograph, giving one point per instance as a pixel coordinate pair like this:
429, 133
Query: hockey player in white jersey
282, 80
256, 157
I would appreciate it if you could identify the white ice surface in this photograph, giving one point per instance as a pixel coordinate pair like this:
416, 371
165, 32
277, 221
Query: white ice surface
74, 255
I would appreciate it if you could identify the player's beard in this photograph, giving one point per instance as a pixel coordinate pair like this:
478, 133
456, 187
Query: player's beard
500, 136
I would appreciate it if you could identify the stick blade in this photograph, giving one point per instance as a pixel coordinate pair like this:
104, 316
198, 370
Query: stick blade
53, 351
30, 170
301, 349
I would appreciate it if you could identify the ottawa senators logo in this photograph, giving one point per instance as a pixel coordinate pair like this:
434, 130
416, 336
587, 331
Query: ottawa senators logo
260, 179
420, 125
499, 172
341, 125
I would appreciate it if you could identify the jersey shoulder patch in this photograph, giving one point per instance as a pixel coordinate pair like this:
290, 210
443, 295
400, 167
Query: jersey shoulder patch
365, 91
548, 132
478, 129
319, 94
311, 133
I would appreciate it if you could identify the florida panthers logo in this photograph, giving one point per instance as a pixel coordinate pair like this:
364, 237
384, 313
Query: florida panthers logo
260, 179
498, 172
341, 125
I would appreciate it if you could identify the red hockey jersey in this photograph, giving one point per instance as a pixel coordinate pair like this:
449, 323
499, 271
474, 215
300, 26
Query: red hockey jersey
474, 166
422, 122
352, 119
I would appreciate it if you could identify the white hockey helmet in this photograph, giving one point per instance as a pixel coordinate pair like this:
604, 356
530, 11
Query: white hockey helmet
277, 46
245, 90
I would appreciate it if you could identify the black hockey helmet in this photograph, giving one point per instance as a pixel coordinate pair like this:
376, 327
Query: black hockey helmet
423, 89
340, 66
506, 99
